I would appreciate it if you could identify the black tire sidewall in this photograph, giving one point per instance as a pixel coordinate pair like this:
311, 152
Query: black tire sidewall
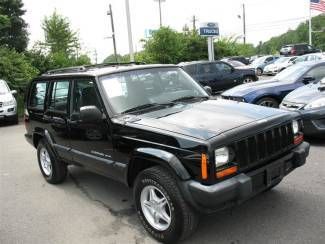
268, 99
174, 231
58, 171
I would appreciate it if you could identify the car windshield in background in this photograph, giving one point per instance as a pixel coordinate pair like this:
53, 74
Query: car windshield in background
281, 60
292, 73
258, 61
3, 88
144, 88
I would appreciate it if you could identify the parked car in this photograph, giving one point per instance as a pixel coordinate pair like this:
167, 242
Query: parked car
298, 49
155, 129
310, 102
270, 93
8, 104
279, 65
234, 63
241, 59
309, 57
218, 75
260, 63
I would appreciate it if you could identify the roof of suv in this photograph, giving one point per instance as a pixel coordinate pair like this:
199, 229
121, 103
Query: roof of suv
101, 69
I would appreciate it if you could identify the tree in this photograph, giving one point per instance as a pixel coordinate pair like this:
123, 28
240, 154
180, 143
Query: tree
13, 28
59, 37
15, 68
120, 59
299, 35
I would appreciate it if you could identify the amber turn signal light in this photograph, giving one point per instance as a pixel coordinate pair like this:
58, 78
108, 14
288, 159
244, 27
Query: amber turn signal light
298, 139
204, 166
226, 172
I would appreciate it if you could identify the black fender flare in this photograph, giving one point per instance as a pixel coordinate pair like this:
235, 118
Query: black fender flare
161, 157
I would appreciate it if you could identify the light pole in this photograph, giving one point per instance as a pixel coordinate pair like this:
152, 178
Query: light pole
159, 3
243, 16
110, 12
128, 20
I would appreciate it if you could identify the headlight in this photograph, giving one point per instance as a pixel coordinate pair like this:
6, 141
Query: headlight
221, 156
295, 127
8, 103
316, 104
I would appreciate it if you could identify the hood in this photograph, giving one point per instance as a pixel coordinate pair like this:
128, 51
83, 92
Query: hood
203, 120
6, 97
242, 90
305, 94
245, 68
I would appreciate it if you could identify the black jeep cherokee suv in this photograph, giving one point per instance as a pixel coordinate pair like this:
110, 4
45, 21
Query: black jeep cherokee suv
155, 129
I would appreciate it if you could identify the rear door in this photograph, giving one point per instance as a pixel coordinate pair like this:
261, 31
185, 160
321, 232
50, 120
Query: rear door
56, 115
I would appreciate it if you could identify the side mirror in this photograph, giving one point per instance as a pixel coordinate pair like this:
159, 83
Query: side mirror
90, 114
13, 92
208, 90
307, 79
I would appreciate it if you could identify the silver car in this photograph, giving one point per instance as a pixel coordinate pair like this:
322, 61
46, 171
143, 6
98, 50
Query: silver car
8, 104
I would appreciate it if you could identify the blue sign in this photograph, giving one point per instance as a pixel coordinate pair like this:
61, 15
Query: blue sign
209, 29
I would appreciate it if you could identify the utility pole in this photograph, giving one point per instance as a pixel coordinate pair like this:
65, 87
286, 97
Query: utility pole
194, 19
110, 12
128, 21
244, 24
159, 3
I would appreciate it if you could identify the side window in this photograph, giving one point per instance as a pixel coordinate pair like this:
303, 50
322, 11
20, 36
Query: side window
269, 59
318, 72
59, 96
207, 69
223, 68
37, 96
84, 94
310, 48
190, 69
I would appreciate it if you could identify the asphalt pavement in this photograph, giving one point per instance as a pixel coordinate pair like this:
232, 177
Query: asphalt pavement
92, 209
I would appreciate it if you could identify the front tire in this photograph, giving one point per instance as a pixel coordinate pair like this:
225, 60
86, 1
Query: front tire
53, 170
161, 206
259, 71
268, 102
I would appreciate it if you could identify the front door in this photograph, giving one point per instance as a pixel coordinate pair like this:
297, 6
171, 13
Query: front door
91, 143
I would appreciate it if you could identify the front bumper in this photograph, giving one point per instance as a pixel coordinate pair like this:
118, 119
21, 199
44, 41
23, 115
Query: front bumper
8, 112
314, 122
235, 190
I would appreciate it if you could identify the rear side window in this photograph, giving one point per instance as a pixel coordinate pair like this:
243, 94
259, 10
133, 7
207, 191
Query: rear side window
37, 96
59, 96
318, 72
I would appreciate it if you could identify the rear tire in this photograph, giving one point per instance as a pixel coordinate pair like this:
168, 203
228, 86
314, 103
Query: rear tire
181, 220
53, 170
268, 102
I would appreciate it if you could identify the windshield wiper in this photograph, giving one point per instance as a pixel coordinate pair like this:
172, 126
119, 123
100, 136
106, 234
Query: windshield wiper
190, 98
146, 106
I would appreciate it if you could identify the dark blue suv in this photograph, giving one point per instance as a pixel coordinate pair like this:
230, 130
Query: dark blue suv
270, 93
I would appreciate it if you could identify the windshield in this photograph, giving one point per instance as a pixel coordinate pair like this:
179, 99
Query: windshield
140, 88
281, 60
258, 61
3, 88
292, 73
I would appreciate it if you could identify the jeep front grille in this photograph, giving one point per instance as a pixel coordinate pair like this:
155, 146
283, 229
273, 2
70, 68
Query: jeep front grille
263, 146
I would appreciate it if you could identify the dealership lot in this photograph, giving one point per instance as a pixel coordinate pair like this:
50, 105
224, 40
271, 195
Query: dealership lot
91, 209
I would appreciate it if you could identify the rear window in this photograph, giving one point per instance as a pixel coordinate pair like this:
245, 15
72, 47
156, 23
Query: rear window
37, 95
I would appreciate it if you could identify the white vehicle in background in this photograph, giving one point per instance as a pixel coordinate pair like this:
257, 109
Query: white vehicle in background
310, 57
8, 104
279, 65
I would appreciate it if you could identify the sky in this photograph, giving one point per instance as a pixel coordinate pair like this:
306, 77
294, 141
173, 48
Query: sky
264, 19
